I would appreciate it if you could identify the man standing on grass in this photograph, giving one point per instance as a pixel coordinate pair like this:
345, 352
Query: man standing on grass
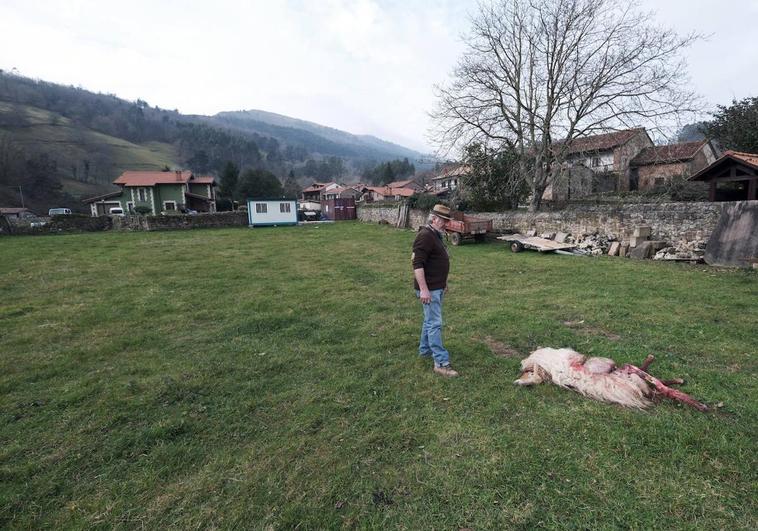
430, 269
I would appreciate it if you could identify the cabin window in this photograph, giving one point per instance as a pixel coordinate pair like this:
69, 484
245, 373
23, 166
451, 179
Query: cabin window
169, 205
261, 208
141, 194
659, 181
595, 162
284, 207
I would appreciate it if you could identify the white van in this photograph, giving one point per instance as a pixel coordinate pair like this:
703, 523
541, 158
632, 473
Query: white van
116, 211
59, 212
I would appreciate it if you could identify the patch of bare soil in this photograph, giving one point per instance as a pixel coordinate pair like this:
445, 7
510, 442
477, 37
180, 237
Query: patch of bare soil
500, 349
582, 327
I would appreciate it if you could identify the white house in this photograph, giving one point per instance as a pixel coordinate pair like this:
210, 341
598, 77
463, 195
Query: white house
268, 212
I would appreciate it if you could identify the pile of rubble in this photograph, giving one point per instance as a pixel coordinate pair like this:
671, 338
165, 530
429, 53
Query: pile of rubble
637, 245
692, 251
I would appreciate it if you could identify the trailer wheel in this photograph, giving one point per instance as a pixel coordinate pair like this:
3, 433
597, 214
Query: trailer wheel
455, 238
517, 247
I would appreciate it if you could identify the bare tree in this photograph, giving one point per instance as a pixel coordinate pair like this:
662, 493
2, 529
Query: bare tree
538, 73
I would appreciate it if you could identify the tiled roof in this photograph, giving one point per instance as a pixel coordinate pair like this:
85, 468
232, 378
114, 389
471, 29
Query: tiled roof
602, 142
401, 184
386, 191
317, 187
666, 154
203, 179
337, 190
151, 178
13, 210
453, 171
748, 159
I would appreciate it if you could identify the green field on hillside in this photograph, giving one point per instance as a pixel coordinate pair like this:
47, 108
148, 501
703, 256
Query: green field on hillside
40, 131
268, 379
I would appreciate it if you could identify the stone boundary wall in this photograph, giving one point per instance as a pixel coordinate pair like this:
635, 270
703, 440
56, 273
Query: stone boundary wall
671, 222
198, 221
71, 224
389, 213
56, 225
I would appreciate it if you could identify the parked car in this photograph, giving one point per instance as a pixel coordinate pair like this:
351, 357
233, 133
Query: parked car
59, 212
116, 211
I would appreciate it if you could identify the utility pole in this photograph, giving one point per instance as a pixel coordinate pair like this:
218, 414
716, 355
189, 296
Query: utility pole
22, 197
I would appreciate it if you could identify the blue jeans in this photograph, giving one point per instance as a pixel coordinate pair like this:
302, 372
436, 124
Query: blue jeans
431, 330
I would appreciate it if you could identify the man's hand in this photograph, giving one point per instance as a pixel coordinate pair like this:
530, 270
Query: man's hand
446, 288
425, 296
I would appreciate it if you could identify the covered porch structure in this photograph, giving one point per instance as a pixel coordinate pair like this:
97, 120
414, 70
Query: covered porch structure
733, 177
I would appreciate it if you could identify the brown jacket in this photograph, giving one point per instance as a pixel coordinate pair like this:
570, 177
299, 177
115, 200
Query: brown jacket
430, 254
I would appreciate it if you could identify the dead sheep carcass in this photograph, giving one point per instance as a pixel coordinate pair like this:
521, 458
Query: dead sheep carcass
600, 378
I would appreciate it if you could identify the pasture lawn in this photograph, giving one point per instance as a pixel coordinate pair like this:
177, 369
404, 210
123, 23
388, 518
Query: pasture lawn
268, 379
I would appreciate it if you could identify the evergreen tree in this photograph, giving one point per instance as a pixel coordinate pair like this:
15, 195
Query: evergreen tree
291, 188
736, 126
258, 184
229, 179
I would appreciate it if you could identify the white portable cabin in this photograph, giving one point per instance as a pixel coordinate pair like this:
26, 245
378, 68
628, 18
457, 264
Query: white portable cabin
269, 212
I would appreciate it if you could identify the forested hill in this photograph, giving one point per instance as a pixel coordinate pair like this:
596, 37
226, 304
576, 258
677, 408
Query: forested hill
301, 135
62, 143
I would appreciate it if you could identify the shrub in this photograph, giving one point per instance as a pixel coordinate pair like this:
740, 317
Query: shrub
424, 201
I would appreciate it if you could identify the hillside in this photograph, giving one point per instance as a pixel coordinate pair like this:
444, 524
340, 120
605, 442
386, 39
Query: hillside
313, 137
62, 143
82, 154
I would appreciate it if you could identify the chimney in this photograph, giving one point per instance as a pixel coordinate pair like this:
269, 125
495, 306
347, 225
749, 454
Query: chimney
178, 175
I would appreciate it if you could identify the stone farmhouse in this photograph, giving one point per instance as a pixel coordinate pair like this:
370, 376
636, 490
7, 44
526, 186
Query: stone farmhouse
655, 165
624, 161
160, 191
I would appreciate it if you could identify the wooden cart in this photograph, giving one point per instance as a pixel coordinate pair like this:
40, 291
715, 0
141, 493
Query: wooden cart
519, 242
463, 227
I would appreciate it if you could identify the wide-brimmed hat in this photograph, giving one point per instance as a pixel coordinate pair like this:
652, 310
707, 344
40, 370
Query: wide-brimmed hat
441, 211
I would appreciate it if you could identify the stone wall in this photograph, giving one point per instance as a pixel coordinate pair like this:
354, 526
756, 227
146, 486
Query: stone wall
75, 223
671, 222
384, 213
56, 225
179, 222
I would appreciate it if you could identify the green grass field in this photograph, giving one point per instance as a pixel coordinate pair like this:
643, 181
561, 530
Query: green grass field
268, 379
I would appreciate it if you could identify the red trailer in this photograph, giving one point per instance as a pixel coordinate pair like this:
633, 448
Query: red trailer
463, 227
338, 209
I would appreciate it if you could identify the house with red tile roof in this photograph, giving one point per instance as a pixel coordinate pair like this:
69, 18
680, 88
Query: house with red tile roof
159, 191
340, 192
314, 191
597, 163
656, 165
449, 178
407, 183
385, 193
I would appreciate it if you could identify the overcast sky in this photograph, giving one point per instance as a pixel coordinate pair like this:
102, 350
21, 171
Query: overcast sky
364, 66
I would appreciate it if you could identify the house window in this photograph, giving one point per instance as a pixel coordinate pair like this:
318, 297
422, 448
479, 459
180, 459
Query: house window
595, 162
659, 181
169, 205
141, 194
284, 207
130, 207
261, 208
